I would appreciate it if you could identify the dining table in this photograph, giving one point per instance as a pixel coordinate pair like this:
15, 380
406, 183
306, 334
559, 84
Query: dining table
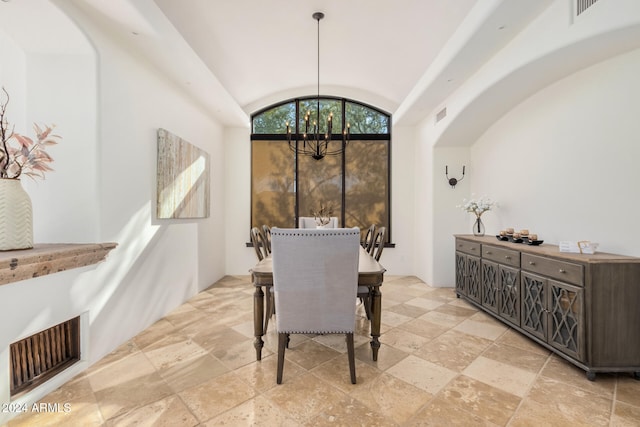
370, 274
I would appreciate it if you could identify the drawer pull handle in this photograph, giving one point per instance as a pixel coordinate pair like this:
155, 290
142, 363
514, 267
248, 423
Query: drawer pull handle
532, 263
473, 249
562, 271
489, 252
507, 257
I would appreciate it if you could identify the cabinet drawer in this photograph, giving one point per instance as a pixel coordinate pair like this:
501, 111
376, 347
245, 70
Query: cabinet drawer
468, 247
559, 270
501, 255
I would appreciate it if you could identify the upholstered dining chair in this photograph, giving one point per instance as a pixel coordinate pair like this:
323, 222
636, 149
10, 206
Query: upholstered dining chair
374, 248
310, 222
261, 240
368, 238
363, 291
266, 237
378, 243
258, 243
315, 280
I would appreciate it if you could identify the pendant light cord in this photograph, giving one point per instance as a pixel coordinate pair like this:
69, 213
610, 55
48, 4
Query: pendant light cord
318, 17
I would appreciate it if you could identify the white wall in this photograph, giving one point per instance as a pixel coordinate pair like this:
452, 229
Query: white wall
51, 89
61, 90
401, 258
554, 48
239, 258
436, 204
564, 162
423, 204
12, 71
108, 106
447, 216
159, 263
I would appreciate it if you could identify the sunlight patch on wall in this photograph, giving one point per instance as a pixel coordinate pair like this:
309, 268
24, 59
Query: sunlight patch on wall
183, 178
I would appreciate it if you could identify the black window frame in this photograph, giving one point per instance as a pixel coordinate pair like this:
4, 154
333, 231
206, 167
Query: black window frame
335, 137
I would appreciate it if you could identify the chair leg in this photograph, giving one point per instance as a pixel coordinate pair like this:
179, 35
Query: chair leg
367, 306
352, 358
282, 344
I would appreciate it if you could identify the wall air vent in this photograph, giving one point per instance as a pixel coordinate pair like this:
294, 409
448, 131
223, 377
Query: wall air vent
582, 5
37, 358
441, 114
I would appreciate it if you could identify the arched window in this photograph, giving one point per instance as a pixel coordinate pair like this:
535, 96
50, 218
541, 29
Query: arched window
286, 186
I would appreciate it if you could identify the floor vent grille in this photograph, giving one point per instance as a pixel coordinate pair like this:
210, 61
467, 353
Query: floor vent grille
39, 357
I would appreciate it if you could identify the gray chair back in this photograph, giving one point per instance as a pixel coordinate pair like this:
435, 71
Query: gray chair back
315, 282
315, 279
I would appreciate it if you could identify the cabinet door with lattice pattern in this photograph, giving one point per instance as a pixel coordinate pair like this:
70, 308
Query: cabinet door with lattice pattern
473, 278
490, 285
534, 313
461, 259
509, 297
566, 308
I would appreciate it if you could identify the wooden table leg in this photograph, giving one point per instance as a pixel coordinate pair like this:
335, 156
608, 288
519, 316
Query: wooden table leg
376, 314
258, 320
269, 309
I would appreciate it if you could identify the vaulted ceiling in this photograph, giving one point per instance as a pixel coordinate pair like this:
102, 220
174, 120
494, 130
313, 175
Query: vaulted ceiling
235, 57
258, 49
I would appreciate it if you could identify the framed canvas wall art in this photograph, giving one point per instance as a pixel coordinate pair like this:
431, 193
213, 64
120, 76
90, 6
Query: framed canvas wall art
183, 178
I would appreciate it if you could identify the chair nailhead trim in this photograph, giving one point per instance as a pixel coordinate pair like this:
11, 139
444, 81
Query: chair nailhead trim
344, 233
316, 332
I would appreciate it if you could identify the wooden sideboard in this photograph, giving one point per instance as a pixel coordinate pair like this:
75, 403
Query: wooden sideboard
585, 308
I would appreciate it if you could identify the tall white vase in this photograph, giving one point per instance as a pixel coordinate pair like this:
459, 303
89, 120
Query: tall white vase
16, 216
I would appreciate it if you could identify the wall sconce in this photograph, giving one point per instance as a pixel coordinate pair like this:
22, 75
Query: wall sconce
453, 181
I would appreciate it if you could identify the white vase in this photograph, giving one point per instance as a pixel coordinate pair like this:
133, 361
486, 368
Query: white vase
16, 216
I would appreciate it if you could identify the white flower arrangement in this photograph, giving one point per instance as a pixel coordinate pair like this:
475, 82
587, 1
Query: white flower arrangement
479, 206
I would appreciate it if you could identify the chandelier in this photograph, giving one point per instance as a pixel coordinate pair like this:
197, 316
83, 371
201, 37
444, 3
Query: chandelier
312, 142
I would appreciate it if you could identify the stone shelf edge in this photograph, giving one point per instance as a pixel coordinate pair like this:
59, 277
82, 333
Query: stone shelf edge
50, 258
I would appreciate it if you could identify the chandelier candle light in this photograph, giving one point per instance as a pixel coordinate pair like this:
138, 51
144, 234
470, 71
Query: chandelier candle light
315, 144
478, 207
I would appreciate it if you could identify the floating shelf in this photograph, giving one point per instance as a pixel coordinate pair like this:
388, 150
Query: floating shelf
50, 258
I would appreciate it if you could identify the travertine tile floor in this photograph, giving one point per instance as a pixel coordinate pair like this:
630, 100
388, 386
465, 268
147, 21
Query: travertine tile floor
442, 363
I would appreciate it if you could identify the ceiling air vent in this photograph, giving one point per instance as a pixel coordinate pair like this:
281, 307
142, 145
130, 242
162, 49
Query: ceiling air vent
441, 114
582, 5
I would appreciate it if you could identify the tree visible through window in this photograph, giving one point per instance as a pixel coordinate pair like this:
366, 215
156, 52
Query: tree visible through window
286, 186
